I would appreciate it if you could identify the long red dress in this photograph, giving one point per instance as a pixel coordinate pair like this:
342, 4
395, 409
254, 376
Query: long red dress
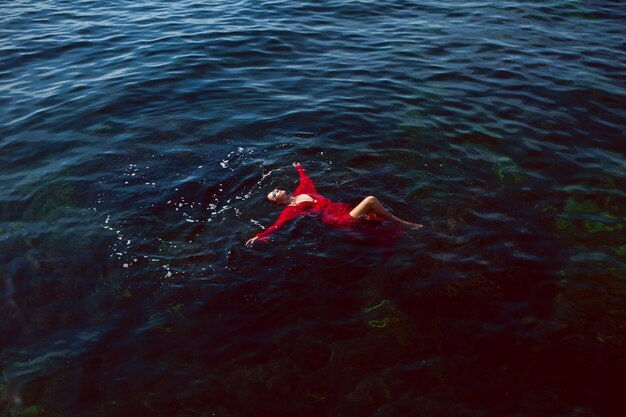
336, 215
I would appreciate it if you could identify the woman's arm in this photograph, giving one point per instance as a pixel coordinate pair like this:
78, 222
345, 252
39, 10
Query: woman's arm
306, 185
287, 214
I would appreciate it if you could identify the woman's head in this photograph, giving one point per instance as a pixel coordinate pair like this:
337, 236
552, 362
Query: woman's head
278, 197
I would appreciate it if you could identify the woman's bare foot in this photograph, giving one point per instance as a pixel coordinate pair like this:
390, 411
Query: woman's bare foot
413, 226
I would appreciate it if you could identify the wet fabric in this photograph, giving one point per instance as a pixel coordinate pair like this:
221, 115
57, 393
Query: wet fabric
333, 214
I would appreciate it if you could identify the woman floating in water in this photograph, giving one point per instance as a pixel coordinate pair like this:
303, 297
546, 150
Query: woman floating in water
305, 199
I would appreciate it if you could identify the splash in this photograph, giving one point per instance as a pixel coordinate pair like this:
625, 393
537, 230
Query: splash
174, 232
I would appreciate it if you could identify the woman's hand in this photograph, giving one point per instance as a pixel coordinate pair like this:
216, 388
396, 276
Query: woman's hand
296, 164
250, 242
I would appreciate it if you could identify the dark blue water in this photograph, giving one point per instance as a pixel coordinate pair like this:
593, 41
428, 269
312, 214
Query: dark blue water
138, 141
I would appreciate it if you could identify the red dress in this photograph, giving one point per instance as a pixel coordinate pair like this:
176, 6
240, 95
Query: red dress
333, 214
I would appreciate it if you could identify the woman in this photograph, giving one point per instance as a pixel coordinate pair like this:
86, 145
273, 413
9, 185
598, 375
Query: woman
305, 200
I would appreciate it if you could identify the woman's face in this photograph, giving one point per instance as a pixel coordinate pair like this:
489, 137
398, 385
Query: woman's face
278, 196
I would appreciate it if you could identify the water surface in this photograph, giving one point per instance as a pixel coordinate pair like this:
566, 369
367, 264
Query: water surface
138, 141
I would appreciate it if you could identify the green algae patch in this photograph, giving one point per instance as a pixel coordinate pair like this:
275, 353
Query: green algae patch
51, 202
563, 224
379, 323
588, 216
383, 314
3, 392
586, 206
175, 311
176, 308
620, 250
597, 227
609, 216
385, 322
167, 329
30, 411
368, 309
507, 170
502, 165
124, 293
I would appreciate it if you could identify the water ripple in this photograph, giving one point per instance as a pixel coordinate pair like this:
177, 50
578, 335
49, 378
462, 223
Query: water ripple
138, 140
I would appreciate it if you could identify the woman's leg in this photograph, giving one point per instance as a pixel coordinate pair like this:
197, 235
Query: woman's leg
371, 205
